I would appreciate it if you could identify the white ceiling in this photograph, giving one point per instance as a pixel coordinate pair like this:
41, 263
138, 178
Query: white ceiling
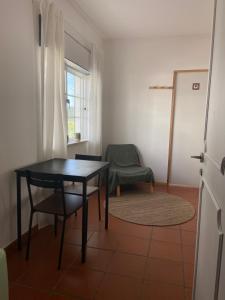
147, 18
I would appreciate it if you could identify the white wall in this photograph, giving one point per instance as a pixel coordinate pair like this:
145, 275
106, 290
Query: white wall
18, 130
17, 113
131, 112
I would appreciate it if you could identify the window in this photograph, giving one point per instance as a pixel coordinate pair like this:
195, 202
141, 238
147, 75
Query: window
76, 80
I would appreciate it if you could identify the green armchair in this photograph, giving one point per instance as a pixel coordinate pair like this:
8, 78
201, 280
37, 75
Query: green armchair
126, 167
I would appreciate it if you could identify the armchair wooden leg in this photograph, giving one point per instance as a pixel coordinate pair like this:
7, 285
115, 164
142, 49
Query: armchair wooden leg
151, 188
118, 191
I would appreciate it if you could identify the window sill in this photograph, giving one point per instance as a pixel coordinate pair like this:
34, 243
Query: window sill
76, 142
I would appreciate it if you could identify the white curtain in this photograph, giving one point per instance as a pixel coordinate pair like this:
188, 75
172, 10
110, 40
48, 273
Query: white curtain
52, 109
95, 104
51, 106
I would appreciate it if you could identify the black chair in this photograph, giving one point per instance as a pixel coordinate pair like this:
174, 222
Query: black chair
76, 189
57, 204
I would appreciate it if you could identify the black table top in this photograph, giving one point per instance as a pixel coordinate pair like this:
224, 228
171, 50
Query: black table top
69, 168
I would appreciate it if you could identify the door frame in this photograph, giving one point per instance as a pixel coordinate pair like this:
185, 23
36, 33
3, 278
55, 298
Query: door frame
172, 115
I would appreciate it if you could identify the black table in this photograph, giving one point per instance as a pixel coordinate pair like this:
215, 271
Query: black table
72, 170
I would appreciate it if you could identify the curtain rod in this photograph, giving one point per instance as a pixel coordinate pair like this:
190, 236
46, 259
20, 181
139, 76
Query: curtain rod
78, 42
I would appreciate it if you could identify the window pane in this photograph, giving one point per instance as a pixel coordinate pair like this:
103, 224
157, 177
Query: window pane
77, 86
71, 128
77, 107
70, 83
70, 107
77, 125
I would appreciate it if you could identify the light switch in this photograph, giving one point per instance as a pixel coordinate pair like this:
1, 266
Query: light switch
196, 86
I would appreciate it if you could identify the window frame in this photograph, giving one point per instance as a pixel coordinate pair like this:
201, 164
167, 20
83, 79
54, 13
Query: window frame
84, 105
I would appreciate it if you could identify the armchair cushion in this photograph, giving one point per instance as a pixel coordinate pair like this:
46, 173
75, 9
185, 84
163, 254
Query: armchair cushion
125, 166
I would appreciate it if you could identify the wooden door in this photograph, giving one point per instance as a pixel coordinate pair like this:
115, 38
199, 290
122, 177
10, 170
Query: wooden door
209, 281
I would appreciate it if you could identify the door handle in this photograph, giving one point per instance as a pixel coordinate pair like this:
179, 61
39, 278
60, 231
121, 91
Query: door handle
222, 167
200, 157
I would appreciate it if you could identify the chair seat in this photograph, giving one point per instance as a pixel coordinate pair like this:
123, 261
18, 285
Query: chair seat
129, 175
77, 189
134, 171
54, 204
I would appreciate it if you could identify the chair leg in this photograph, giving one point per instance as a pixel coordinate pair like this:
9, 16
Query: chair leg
56, 224
29, 235
118, 191
73, 183
151, 188
99, 204
61, 244
75, 211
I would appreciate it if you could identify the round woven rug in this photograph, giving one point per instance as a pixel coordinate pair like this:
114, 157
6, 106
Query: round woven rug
160, 209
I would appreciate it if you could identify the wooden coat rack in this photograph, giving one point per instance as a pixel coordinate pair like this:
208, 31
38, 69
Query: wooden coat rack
163, 87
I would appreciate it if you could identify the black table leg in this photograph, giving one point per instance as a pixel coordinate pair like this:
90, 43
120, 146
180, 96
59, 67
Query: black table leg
106, 198
84, 223
18, 189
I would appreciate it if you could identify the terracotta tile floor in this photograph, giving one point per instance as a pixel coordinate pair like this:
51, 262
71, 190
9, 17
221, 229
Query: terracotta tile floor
127, 262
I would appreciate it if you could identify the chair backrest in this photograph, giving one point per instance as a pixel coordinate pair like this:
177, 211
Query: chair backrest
88, 157
47, 181
92, 158
122, 155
